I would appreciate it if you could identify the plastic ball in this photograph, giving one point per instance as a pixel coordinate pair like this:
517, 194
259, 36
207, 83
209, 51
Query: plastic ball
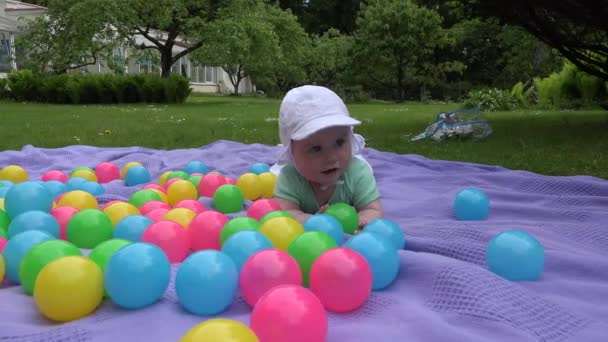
258, 209
206, 283
157, 214
63, 215
154, 186
75, 183
242, 245
219, 330
85, 174
193, 205
516, 256
381, 255
258, 168
266, 269
137, 275
172, 238
342, 279
107, 172
183, 216
17, 247
281, 231
289, 313
78, 199
141, 197
119, 210
268, 181
169, 182
228, 199
249, 185
34, 220
137, 175
3, 243
205, 229
76, 169
471, 205
151, 205
41, 255
178, 174
4, 220
181, 190
277, 213
195, 167
27, 196
56, 188
2, 267
93, 188
307, 247
195, 180
389, 229
88, 228
230, 181
238, 224
209, 184
131, 228
346, 214
162, 179
54, 175
14, 173
327, 224
68, 289
126, 167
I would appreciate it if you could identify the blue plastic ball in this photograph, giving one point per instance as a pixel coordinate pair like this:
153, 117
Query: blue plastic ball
137, 175
195, 167
471, 205
206, 282
381, 256
132, 227
259, 168
327, 224
93, 188
3, 191
56, 188
137, 275
515, 255
27, 196
388, 228
241, 245
34, 220
75, 183
6, 183
17, 247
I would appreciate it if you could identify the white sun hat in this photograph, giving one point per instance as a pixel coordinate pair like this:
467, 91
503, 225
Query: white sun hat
308, 109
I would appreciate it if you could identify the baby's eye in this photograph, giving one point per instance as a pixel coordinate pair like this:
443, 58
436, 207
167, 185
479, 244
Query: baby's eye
314, 149
340, 142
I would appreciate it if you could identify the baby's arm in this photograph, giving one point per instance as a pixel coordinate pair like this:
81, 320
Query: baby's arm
370, 212
293, 209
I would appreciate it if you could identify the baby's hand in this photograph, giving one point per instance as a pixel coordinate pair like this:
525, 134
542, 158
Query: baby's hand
322, 209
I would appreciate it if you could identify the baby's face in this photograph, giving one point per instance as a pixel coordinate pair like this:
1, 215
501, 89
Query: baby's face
324, 156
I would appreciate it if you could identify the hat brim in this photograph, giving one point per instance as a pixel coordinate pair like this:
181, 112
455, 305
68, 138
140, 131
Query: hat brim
323, 122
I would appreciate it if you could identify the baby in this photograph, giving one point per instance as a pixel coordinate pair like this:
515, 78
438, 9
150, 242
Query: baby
321, 164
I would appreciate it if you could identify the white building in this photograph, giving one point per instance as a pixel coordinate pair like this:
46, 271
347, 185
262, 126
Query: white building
203, 78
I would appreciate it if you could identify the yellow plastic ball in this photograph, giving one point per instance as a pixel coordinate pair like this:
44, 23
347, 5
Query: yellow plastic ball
86, 174
163, 196
78, 199
249, 183
2, 203
281, 231
268, 181
126, 167
183, 216
119, 210
220, 330
13, 173
68, 288
181, 190
163, 178
1, 268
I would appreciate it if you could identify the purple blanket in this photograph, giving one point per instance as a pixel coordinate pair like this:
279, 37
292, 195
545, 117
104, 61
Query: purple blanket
444, 291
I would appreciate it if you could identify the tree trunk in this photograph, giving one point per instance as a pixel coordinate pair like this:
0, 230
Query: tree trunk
166, 60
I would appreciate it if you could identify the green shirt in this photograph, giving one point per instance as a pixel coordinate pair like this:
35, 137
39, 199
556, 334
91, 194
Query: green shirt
356, 187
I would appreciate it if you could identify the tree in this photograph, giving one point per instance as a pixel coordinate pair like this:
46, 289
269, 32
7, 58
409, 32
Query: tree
329, 58
243, 42
577, 28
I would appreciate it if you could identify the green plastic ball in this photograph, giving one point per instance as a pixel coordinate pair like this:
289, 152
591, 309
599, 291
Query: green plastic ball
228, 199
346, 214
307, 247
88, 228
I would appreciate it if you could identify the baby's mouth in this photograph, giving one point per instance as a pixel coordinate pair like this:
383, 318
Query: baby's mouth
330, 171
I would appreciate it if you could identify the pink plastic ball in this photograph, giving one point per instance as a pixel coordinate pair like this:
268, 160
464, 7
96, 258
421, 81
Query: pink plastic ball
63, 216
2, 244
230, 181
205, 229
149, 206
157, 214
155, 186
107, 172
261, 207
172, 238
209, 183
342, 279
55, 175
266, 269
193, 205
289, 313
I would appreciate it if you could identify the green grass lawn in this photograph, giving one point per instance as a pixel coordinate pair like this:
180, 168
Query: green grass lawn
547, 142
